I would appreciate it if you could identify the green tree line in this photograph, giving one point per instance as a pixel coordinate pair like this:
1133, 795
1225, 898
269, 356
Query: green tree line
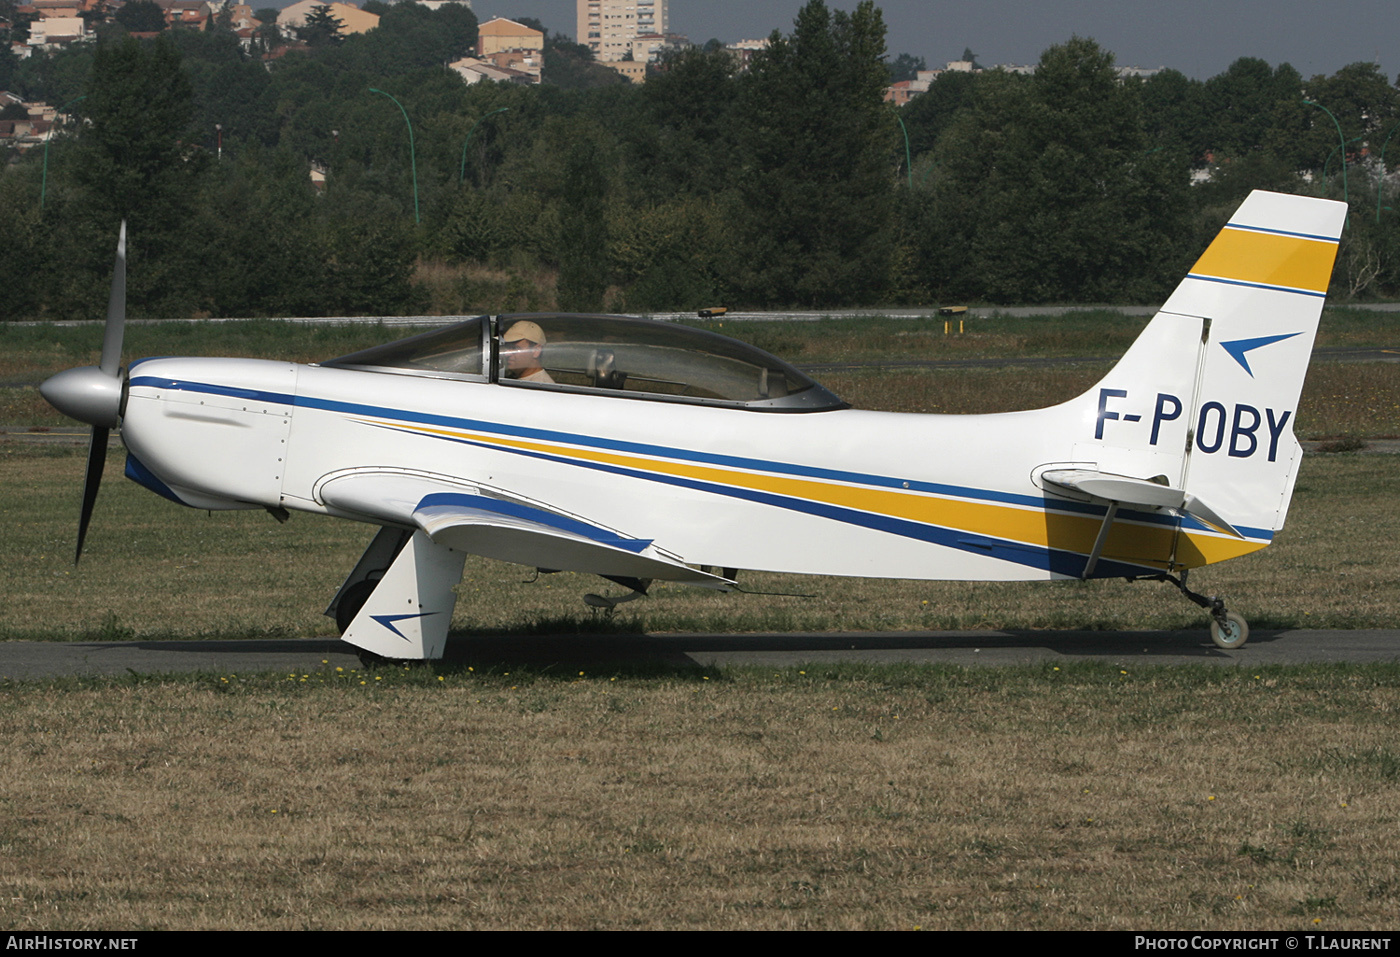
783, 184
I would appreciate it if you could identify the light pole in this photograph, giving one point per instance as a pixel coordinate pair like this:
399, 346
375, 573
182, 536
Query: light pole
219, 131
908, 161
44, 180
1328, 164
1341, 139
412, 155
462, 172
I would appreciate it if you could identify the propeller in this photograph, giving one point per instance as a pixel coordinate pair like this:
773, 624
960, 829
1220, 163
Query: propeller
93, 394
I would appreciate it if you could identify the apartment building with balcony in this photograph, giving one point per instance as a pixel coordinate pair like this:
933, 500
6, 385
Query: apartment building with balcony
618, 30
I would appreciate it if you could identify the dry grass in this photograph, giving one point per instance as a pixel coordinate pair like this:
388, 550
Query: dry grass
1103, 332
1088, 798
465, 289
828, 797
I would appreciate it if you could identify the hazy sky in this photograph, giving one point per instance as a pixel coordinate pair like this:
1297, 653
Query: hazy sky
1198, 37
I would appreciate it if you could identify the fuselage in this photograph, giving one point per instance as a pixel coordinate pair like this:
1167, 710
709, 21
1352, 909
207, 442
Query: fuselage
836, 491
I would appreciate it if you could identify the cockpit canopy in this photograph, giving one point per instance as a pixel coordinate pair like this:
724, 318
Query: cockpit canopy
636, 358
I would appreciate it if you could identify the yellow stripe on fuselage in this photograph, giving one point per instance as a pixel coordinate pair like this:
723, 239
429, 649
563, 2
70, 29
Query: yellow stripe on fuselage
1143, 544
1269, 259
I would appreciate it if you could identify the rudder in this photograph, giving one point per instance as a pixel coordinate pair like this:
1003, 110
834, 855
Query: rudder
1205, 400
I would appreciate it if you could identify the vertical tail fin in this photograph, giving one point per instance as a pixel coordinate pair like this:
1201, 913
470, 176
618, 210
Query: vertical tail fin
1205, 400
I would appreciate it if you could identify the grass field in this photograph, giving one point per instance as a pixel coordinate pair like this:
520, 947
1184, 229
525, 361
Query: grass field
821, 797
1086, 797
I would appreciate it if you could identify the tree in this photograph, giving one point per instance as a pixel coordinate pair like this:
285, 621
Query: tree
816, 141
929, 114
1242, 104
141, 16
322, 28
687, 140
1048, 192
906, 67
139, 105
135, 165
583, 234
571, 66
1173, 113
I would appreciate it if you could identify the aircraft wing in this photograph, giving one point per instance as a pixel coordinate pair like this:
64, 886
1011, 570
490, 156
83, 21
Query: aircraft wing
1139, 492
485, 522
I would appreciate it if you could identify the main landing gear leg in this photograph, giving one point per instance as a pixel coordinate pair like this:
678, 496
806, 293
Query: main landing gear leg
1227, 629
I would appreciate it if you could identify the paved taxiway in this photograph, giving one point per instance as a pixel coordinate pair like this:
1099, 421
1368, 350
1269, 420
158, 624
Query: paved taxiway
29, 660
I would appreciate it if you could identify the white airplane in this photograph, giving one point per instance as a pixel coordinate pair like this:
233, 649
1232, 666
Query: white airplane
642, 450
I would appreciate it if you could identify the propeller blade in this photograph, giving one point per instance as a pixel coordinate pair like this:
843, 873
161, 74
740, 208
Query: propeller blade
110, 367
116, 311
97, 458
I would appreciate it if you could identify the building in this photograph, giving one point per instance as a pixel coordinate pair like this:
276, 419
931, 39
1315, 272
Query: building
352, 19
634, 70
51, 33
612, 29
500, 35
513, 49
473, 70
193, 14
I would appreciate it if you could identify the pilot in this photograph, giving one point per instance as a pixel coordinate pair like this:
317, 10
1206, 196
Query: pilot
521, 346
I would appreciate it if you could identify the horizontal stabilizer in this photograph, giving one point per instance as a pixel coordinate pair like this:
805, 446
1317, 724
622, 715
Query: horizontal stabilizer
1137, 493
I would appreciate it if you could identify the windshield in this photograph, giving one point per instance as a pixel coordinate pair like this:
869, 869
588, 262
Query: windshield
616, 355
644, 358
456, 351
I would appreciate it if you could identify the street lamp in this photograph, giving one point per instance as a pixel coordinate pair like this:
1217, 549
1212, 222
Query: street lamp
462, 172
44, 181
1328, 164
412, 155
1346, 198
908, 162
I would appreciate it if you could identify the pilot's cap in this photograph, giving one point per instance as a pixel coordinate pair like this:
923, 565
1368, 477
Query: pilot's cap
525, 329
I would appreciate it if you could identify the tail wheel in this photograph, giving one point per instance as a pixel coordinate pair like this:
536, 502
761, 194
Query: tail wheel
1230, 634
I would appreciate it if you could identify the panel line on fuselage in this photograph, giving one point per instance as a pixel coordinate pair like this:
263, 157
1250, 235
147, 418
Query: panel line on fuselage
956, 523
1013, 527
